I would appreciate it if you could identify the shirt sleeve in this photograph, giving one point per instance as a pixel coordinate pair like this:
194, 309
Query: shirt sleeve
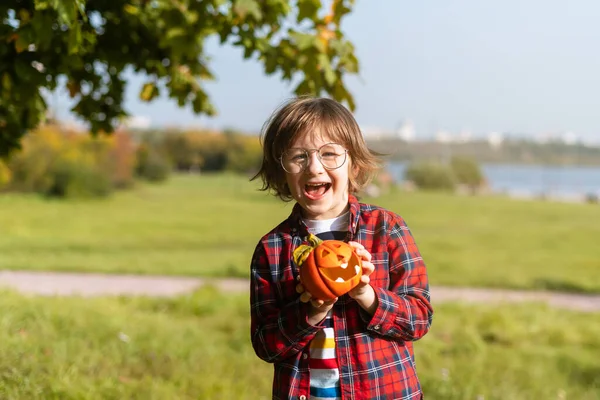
278, 329
404, 310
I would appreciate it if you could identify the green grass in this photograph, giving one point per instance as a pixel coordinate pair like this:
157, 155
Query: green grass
197, 347
208, 225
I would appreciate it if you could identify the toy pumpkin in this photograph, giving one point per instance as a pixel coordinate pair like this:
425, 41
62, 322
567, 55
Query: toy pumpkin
328, 268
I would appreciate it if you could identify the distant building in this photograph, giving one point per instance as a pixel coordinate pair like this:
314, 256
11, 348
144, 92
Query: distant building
136, 122
442, 136
406, 131
373, 132
569, 138
495, 139
465, 136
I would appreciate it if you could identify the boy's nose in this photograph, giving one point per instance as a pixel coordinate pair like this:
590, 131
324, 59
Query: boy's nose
314, 163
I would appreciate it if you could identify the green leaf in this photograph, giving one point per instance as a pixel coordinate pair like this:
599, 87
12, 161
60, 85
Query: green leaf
247, 7
131, 9
6, 82
304, 40
328, 73
74, 40
339, 10
308, 9
306, 86
175, 32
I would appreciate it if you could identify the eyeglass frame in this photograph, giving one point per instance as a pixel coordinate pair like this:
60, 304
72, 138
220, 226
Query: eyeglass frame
309, 152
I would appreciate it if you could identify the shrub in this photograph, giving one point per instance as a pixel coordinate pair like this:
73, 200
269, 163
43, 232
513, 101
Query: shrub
150, 165
5, 175
73, 179
212, 150
195, 150
592, 198
244, 153
59, 162
430, 175
120, 159
467, 172
180, 150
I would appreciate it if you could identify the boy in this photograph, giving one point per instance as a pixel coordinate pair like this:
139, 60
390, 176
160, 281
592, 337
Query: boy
358, 346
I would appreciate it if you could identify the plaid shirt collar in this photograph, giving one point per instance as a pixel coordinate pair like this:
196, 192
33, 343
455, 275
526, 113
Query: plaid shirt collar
295, 218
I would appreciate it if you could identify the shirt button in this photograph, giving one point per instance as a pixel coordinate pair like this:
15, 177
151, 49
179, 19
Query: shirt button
305, 356
302, 397
377, 327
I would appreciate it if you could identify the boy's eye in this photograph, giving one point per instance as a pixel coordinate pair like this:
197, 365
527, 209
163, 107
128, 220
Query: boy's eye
298, 157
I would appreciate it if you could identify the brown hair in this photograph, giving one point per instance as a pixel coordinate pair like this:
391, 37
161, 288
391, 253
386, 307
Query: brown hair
309, 115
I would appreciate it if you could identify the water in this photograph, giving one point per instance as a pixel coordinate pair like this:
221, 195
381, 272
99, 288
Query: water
569, 182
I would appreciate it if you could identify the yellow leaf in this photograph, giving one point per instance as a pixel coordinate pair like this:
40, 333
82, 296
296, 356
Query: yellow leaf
301, 253
131, 9
149, 91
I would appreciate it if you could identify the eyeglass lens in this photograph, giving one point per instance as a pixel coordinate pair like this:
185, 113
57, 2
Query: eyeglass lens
331, 155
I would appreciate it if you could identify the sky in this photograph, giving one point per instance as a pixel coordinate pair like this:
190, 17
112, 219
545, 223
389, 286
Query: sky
519, 67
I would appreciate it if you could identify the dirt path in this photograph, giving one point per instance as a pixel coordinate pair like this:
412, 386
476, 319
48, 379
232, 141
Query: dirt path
87, 285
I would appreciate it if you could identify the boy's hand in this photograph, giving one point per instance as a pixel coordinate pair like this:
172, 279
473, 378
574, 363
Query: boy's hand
306, 297
319, 308
363, 293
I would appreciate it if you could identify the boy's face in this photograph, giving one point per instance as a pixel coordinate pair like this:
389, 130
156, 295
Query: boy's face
322, 193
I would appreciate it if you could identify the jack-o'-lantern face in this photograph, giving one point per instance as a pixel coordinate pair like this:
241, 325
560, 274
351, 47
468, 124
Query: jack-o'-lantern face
330, 270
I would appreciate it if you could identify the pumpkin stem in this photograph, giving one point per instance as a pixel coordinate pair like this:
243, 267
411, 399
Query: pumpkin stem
314, 240
301, 253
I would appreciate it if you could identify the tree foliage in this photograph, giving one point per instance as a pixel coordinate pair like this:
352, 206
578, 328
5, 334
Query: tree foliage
92, 42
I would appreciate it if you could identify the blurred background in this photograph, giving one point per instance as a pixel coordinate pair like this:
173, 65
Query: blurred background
136, 165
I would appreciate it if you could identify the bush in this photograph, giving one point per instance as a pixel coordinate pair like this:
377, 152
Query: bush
180, 150
467, 172
119, 159
150, 165
195, 150
210, 151
72, 179
63, 163
430, 175
244, 153
5, 175
592, 198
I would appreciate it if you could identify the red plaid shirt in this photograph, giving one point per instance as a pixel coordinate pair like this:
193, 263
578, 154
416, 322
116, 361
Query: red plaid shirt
374, 353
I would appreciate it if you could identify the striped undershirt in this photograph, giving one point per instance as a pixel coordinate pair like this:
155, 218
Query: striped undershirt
324, 372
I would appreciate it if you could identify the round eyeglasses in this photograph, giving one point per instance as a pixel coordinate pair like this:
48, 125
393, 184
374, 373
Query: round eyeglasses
331, 156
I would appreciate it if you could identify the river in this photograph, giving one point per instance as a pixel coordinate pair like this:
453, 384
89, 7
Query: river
568, 182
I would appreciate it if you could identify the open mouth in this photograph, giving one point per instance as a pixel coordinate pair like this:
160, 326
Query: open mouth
316, 190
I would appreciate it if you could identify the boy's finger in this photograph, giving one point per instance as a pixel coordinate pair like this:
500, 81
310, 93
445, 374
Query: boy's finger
299, 288
365, 255
356, 245
368, 267
305, 297
316, 303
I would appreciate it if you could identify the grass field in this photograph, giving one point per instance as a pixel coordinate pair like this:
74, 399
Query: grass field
198, 347
208, 225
